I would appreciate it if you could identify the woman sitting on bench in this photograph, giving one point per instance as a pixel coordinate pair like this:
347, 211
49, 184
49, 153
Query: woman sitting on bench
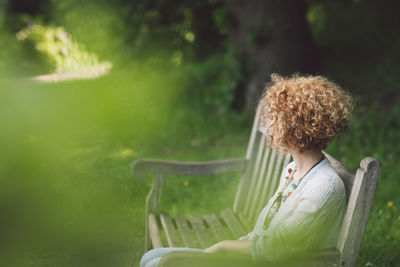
301, 115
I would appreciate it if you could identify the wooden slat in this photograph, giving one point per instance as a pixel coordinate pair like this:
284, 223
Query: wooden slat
140, 168
152, 202
270, 166
276, 175
287, 159
254, 133
233, 223
154, 196
270, 187
256, 195
184, 230
244, 183
252, 214
358, 209
246, 224
155, 235
200, 229
170, 231
254, 175
216, 227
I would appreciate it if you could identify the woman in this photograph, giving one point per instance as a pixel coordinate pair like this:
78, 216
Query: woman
301, 115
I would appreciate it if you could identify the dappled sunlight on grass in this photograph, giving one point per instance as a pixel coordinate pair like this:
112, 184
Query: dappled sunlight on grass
69, 58
122, 153
88, 73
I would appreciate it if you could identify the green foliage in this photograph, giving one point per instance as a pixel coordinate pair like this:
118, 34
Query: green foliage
59, 49
221, 20
316, 17
258, 36
354, 19
358, 43
96, 25
211, 83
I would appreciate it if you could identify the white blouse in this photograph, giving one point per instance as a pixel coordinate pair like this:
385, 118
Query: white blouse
309, 219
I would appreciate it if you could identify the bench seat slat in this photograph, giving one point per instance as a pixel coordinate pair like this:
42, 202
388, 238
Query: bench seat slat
244, 222
233, 223
219, 231
184, 230
170, 231
200, 229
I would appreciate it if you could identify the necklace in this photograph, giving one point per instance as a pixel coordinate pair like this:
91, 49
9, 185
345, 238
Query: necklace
293, 184
282, 197
289, 180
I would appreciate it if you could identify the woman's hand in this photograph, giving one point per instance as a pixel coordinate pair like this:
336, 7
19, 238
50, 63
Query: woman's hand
217, 248
234, 246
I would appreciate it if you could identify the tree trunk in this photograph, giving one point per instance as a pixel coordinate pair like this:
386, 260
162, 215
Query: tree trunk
268, 36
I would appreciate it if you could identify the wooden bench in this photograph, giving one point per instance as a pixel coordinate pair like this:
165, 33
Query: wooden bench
260, 171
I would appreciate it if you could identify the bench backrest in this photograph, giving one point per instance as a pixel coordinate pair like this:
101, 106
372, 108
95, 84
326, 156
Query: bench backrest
260, 179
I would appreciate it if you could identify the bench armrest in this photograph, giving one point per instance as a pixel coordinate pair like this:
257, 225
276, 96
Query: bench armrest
141, 167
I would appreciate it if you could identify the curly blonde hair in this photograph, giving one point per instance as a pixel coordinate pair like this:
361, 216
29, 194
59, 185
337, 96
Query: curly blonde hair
304, 112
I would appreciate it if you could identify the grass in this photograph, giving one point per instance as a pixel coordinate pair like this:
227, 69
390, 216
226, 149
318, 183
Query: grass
67, 190
66, 186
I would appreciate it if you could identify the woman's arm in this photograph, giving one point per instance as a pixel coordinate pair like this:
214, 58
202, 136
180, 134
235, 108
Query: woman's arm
235, 246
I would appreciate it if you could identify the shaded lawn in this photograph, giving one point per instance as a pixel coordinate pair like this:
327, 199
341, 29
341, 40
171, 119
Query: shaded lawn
70, 146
